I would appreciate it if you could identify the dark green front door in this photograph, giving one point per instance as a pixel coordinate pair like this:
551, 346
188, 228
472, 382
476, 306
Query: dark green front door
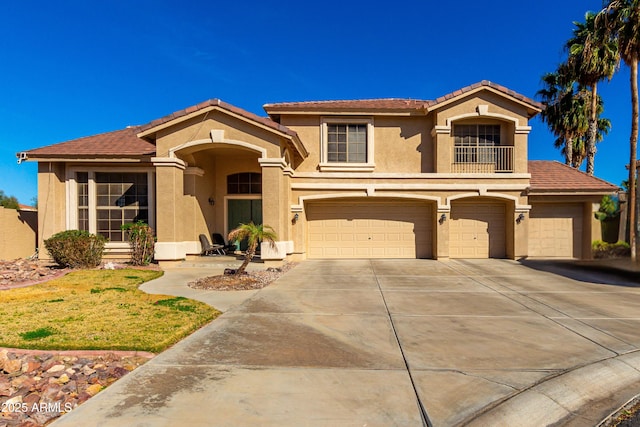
243, 211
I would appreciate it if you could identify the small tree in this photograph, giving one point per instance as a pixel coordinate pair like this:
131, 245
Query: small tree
9, 202
141, 240
254, 235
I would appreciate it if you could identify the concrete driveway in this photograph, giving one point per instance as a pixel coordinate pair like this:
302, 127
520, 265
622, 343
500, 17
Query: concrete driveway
396, 342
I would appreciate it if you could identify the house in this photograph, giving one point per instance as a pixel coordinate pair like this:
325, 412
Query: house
377, 178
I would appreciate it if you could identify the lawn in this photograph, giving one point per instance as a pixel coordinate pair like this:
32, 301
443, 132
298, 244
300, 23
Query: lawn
97, 309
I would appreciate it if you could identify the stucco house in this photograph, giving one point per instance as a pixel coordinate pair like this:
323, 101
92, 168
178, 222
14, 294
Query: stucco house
376, 178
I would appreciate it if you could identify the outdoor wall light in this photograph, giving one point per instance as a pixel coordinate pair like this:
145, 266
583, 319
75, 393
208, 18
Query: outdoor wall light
520, 218
295, 218
212, 201
443, 218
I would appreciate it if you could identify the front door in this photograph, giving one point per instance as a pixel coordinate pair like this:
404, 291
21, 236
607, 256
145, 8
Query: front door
243, 211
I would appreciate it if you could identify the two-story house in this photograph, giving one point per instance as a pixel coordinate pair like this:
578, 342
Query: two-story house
379, 178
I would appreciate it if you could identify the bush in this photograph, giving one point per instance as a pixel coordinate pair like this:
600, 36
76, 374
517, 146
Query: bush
141, 240
76, 248
610, 250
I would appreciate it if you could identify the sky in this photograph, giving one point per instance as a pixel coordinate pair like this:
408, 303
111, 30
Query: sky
74, 68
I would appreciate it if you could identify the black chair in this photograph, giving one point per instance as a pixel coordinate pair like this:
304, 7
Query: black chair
208, 249
219, 240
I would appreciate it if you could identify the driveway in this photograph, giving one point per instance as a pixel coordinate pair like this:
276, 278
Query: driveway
396, 342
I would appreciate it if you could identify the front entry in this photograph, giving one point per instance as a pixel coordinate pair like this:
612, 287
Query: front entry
243, 211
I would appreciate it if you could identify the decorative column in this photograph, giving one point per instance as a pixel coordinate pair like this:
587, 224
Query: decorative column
441, 223
169, 208
275, 207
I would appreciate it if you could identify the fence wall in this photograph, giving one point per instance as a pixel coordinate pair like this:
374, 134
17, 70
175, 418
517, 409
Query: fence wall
18, 233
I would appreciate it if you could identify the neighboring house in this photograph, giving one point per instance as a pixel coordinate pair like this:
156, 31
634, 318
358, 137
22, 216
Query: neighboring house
380, 178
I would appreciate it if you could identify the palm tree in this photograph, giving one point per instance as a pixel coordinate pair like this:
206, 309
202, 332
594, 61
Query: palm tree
254, 235
622, 20
593, 56
565, 109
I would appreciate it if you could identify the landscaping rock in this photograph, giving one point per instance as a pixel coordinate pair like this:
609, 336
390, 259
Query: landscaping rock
24, 271
44, 386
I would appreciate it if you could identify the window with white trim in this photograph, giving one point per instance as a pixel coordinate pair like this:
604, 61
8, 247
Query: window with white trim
108, 200
347, 144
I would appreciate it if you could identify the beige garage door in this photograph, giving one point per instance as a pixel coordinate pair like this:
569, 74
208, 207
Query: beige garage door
555, 230
369, 230
477, 230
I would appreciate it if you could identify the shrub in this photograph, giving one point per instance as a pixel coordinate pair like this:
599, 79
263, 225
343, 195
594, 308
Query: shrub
141, 240
610, 250
76, 248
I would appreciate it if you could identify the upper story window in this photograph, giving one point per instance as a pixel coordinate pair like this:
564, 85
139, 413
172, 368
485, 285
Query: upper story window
347, 144
476, 135
477, 149
244, 183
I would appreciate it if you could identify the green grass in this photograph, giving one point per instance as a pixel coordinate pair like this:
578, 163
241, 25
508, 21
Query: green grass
97, 310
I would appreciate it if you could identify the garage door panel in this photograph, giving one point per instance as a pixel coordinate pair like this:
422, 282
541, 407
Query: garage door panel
477, 230
369, 230
555, 230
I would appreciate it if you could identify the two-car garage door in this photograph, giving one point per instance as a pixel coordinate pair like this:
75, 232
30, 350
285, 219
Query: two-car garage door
369, 230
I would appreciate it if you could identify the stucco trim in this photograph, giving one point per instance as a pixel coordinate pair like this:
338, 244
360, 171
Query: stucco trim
211, 143
271, 162
425, 186
169, 162
486, 194
325, 165
192, 170
429, 175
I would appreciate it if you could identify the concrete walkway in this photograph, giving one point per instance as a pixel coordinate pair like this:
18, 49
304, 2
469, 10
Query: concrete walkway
372, 342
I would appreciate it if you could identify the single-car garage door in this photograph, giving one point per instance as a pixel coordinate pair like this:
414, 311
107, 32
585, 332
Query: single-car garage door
555, 230
369, 230
477, 230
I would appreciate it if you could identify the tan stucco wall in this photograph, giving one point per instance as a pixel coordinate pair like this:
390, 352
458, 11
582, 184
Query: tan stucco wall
52, 206
18, 233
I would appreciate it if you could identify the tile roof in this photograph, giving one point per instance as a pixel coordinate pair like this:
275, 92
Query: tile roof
394, 103
354, 104
552, 176
218, 103
119, 143
485, 83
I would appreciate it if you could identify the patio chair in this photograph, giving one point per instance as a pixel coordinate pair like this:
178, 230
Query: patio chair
208, 249
217, 239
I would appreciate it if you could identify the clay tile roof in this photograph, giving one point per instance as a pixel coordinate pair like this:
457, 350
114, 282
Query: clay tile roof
552, 176
392, 103
484, 83
218, 103
119, 143
22, 207
348, 105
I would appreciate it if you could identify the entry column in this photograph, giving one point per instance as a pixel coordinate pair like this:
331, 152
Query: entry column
275, 207
169, 195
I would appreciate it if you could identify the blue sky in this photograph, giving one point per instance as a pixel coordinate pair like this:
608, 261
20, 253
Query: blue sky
77, 68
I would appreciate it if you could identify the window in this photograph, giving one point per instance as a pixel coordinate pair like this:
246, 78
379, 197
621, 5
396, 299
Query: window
82, 178
244, 183
476, 135
107, 200
347, 144
474, 143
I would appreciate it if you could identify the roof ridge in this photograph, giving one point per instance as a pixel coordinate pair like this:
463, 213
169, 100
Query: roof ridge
328, 101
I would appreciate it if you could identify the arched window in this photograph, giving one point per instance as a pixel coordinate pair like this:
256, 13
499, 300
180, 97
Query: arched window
244, 183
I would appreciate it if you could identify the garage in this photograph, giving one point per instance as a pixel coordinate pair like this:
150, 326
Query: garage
555, 230
477, 230
357, 229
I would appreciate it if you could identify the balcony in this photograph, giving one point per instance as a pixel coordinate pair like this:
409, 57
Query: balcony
482, 159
